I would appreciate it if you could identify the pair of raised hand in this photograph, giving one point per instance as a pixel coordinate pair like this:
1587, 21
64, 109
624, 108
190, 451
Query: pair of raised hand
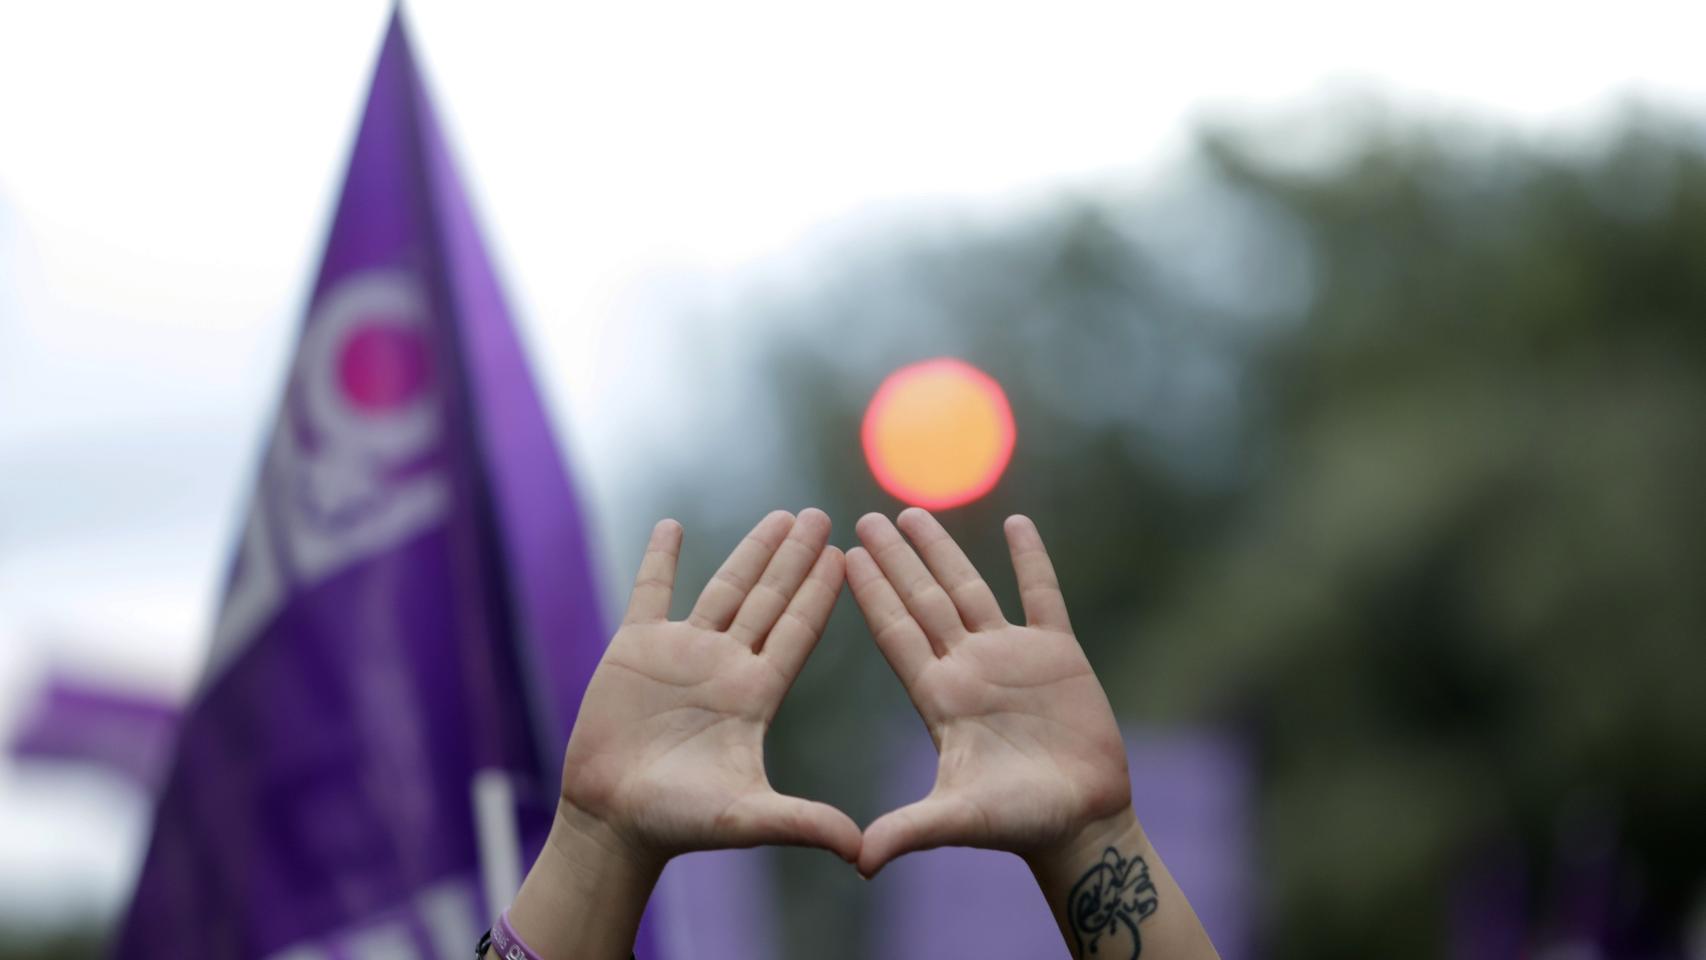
669, 747
667, 754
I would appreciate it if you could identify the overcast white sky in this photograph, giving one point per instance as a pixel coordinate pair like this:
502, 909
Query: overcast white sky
166, 172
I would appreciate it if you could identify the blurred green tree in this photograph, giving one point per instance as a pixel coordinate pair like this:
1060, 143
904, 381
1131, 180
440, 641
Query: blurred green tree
1389, 460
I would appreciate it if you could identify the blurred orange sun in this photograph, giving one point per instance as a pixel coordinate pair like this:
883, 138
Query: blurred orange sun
938, 433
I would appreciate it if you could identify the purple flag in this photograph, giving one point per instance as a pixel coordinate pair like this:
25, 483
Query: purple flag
124, 732
718, 905
1192, 793
411, 609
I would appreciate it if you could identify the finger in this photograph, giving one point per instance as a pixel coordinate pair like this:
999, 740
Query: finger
898, 636
952, 569
782, 578
923, 596
1039, 589
761, 819
796, 634
735, 578
655, 583
932, 822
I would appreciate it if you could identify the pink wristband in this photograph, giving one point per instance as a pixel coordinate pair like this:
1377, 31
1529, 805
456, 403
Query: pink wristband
507, 944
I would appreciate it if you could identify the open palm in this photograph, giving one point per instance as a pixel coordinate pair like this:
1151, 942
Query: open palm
669, 748
1029, 749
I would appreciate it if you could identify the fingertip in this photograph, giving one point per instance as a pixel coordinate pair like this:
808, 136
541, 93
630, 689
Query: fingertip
811, 528
876, 846
1021, 528
666, 532
859, 562
913, 515
841, 835
833, 561
853, 847
869, 524
774, 528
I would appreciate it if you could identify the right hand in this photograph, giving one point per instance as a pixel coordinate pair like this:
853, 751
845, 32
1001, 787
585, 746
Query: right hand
1031, 758
667, 754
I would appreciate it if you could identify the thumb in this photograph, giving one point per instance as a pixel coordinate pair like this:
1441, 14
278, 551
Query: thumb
935, 821
768, 817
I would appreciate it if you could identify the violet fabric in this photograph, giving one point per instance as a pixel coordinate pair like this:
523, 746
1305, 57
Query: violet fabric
718, 905
123, 732
1193, 794
411, 601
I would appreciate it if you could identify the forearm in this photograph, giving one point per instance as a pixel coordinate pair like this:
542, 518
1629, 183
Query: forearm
1121, 904
583, 898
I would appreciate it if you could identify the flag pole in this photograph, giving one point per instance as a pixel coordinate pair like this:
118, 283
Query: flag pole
498, 836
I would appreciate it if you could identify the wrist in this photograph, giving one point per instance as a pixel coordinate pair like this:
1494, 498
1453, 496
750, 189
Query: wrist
1062, 862
597, 846
584, 896
1112, 895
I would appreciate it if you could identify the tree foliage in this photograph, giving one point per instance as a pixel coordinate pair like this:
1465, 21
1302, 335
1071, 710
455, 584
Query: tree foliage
1390, 462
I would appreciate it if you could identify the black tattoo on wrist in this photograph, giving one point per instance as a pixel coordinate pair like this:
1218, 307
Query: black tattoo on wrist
1112, 896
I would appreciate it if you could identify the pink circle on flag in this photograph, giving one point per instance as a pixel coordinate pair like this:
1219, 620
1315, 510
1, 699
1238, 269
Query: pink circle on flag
383, 366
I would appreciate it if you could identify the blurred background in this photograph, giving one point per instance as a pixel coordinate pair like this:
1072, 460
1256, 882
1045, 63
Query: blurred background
1357, 357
